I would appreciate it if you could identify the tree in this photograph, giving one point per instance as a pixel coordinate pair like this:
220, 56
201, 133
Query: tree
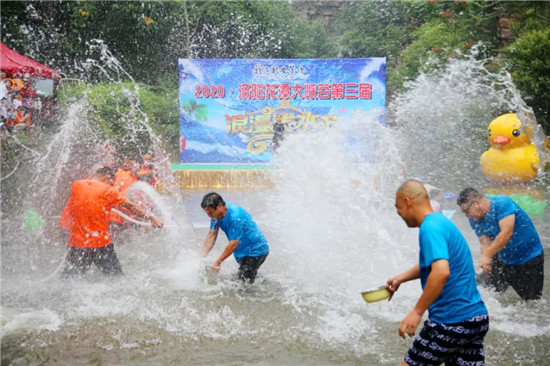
528, 61
528, 55
147, 38
379, 29
452, 28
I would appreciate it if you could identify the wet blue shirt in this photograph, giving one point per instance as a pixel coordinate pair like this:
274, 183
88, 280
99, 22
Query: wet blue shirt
524, 244
237, 224
460, 299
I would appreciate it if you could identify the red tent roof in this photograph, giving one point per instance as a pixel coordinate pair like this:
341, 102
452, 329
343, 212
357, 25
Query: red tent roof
15, 63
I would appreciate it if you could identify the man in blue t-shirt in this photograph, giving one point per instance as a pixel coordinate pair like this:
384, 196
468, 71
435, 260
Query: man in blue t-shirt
511, 250
246, 241
458, 319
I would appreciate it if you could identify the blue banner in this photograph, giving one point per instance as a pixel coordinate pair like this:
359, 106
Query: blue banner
228, 107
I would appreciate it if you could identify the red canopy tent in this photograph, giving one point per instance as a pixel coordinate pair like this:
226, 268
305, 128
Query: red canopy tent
15, 63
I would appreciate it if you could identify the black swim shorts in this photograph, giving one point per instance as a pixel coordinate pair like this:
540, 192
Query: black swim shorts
526, 279
79, 260
249, 266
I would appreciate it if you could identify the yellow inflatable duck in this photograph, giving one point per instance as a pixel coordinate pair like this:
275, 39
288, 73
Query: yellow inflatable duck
512, 157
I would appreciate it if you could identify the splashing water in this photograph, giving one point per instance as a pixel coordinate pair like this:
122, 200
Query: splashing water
443, 119
333, 232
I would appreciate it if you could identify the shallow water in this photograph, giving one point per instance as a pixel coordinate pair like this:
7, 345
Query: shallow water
333, 232
171, 309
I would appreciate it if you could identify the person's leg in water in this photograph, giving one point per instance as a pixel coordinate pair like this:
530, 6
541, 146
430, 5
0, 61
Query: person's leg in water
528, 278
497, 278
106, 260
248, 268
77, 262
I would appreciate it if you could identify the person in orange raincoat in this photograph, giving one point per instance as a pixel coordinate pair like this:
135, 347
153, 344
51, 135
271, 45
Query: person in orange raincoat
86, 216
126, 175
148, 168
124, 178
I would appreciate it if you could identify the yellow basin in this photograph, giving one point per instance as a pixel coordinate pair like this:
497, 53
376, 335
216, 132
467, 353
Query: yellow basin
376, 294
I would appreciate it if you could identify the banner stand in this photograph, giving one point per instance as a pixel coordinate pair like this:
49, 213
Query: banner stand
197, 176
235, 112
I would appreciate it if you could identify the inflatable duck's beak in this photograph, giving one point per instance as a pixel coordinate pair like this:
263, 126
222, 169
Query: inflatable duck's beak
500, 140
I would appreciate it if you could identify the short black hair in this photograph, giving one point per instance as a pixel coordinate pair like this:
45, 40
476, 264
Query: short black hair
106, 171
145, 178
213, 200
468, 195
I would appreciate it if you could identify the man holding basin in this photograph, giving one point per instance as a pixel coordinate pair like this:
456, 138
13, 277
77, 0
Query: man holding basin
458, 319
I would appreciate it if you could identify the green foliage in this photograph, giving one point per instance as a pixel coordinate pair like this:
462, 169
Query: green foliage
414, 36
253, 29
308, 40
160, 104
124, 112
144, 39
381, 29
527, 56
453, 29
148, 37
528, 61
376, 28
528, 16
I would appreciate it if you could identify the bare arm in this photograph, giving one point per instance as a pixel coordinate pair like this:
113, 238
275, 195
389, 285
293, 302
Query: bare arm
393, 283
209, 241
141, 213
229, 249
506, 231
484, 242
434, 286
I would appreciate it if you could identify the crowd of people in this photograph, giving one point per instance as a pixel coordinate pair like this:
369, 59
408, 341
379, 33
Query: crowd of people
17, 97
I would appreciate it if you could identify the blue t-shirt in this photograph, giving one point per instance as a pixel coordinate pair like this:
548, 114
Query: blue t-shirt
237, 224
524, 244
460, 299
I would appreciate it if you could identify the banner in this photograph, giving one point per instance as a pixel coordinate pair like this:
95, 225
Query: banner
235, 111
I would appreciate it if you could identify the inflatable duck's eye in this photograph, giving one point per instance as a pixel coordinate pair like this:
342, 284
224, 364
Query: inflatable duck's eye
516, 133
489, 133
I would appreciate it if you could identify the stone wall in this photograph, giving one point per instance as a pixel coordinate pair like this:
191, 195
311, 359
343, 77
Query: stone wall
504, 32
322, 11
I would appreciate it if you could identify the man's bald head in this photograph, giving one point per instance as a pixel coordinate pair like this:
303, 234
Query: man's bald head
412, 202
414, 190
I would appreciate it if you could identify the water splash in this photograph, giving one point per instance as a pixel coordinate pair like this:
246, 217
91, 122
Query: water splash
443, 116
333, 232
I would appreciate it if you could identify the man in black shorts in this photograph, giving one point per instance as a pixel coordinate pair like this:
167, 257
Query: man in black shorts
511, 250
86, 216
247, 243
458, 319
79, 260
